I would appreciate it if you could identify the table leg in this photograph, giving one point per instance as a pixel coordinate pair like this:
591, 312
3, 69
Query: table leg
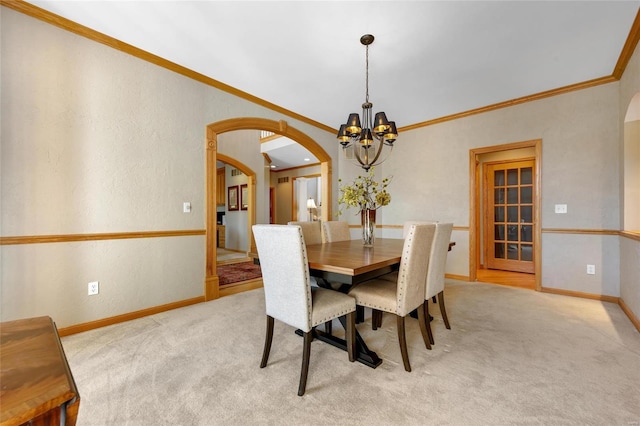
363, 354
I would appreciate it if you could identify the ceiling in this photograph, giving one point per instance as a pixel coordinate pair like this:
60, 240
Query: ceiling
430, 59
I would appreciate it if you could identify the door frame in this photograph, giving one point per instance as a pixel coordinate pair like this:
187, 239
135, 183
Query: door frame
211, 280
475, 213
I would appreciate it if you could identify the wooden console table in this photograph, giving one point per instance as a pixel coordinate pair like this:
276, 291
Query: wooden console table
37, 385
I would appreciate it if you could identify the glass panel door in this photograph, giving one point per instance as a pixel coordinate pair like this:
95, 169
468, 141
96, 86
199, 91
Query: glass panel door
509, 228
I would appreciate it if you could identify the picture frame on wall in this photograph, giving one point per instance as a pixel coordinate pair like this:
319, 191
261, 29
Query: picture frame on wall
232, 198
244, 197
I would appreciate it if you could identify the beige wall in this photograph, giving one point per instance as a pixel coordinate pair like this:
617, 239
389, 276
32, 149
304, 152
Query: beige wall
95, 140
580, 135
631, 178
630, 249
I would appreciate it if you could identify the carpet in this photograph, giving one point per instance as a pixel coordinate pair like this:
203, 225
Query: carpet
512, 357
237, 272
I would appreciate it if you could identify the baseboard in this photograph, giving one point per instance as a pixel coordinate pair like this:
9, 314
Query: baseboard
611, 299
629, 313
601, 297
457, 277
230, 289
79, 328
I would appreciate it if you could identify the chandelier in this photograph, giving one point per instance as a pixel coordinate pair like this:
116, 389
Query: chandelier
369, 139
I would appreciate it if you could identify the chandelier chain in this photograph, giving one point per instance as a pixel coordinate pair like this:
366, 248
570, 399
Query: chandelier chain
367, 74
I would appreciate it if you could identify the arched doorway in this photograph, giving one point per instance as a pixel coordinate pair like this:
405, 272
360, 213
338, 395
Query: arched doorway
211, 284
251, 189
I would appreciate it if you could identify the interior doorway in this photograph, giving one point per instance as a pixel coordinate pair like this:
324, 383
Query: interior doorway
211, 283
307, 198
505, 231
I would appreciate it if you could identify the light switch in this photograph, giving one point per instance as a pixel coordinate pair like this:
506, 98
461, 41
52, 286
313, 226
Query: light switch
186, 207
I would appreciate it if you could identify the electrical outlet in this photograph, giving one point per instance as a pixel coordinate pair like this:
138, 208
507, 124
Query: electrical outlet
561, 208
93, 288
186, 207
591, 269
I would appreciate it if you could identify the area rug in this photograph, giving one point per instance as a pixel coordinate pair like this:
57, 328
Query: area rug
237, 272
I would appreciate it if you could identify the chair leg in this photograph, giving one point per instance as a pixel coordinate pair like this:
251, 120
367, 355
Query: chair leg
433, 299
328, 327
351, 335
402, 339
423, 325
306, 352
376, 319
427, 321
267, 342
443, 311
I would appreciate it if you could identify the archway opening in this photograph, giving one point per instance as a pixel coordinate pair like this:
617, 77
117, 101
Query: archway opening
244, 235
211, 285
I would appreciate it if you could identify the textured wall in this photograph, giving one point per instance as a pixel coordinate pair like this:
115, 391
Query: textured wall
95, 140
630, 249
630, 274
580, 163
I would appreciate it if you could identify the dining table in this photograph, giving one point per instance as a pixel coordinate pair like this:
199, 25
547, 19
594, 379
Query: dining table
348, 263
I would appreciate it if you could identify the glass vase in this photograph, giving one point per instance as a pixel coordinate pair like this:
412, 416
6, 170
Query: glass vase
368, 219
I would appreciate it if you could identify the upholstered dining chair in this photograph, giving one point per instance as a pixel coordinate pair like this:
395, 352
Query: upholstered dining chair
332, 231
407, 294
393, 276
435, 274
312, 231
335, 230
289, 297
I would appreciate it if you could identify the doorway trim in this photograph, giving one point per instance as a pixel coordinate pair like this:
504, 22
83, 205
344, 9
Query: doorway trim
475, 176
212, 282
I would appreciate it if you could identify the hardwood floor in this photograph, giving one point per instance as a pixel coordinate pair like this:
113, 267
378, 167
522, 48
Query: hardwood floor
514, 279
226, 257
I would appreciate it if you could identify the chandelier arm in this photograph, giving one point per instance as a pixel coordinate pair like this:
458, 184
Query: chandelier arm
385, 157
378, 152
357, 155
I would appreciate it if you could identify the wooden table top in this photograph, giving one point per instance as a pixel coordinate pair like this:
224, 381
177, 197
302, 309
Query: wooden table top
352, 257
34, 372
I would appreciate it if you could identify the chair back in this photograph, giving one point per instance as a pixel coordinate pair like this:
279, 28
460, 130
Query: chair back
335, 230
407, 225
412, 274
312, 231
438, 259
285, 273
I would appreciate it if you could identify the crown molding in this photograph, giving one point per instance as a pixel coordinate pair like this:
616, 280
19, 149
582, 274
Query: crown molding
31, 10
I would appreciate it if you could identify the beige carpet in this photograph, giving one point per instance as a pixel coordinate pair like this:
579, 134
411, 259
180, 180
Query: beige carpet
512, 357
